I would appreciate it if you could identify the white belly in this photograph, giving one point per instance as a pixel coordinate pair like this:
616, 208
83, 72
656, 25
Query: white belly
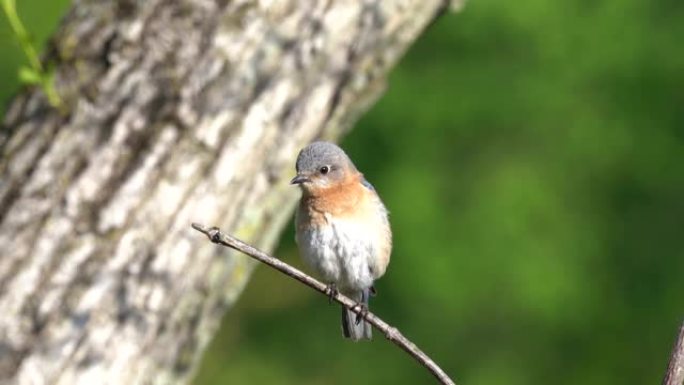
339, 252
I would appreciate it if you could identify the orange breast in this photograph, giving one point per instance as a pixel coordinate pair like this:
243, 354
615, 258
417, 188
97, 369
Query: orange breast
354, 202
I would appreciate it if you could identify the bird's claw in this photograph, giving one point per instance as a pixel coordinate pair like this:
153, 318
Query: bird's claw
331, 291
361, 312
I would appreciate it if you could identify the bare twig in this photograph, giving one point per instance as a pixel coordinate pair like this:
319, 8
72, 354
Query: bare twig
675, 370
392, 334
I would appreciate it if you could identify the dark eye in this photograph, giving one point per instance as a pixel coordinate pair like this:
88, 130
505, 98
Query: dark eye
324, 170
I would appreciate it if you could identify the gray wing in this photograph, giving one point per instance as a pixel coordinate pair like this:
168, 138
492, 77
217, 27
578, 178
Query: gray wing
367, 184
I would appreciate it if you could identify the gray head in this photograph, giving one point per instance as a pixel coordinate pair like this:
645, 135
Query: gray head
321, 164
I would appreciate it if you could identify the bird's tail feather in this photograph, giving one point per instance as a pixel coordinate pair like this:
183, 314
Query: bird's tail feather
350, 328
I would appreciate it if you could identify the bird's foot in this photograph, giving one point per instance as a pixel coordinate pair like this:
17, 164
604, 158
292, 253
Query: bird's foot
331, 291
361, 310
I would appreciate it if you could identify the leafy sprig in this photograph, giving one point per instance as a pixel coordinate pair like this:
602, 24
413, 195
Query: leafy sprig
34, 73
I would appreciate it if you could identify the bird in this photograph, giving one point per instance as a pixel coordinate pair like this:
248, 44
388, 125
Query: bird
342, 229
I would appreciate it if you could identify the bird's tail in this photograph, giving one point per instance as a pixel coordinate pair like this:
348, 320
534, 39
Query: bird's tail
352, 329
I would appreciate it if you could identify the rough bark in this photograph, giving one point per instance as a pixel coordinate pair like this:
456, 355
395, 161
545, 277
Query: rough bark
176, 111
675, 369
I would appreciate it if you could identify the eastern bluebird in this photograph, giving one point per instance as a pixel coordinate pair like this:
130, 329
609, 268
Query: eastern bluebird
343, 232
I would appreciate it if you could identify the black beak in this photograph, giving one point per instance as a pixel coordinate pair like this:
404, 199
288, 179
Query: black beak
299, 179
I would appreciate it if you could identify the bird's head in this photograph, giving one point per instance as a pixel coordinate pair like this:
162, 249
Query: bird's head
322, 165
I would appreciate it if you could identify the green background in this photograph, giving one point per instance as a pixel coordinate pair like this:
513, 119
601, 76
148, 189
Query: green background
531, 155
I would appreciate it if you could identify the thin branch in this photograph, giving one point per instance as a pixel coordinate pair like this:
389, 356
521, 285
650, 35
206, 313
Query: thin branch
392, 334
675, 370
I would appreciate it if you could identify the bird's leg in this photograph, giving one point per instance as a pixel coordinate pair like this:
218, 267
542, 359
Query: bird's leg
331, 291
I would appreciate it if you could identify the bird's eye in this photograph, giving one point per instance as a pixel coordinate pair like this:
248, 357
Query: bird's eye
324, 170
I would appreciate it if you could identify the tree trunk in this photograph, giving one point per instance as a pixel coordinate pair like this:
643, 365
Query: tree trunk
176, 111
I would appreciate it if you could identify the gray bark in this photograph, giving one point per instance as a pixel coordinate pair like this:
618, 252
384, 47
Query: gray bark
176, 111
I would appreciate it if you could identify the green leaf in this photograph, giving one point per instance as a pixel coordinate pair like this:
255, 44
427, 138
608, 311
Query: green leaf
29, 75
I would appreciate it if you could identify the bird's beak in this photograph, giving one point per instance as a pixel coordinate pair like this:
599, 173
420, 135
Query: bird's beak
299, 179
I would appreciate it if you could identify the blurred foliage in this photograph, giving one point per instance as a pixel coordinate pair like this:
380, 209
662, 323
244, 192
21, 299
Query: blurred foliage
531, 154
